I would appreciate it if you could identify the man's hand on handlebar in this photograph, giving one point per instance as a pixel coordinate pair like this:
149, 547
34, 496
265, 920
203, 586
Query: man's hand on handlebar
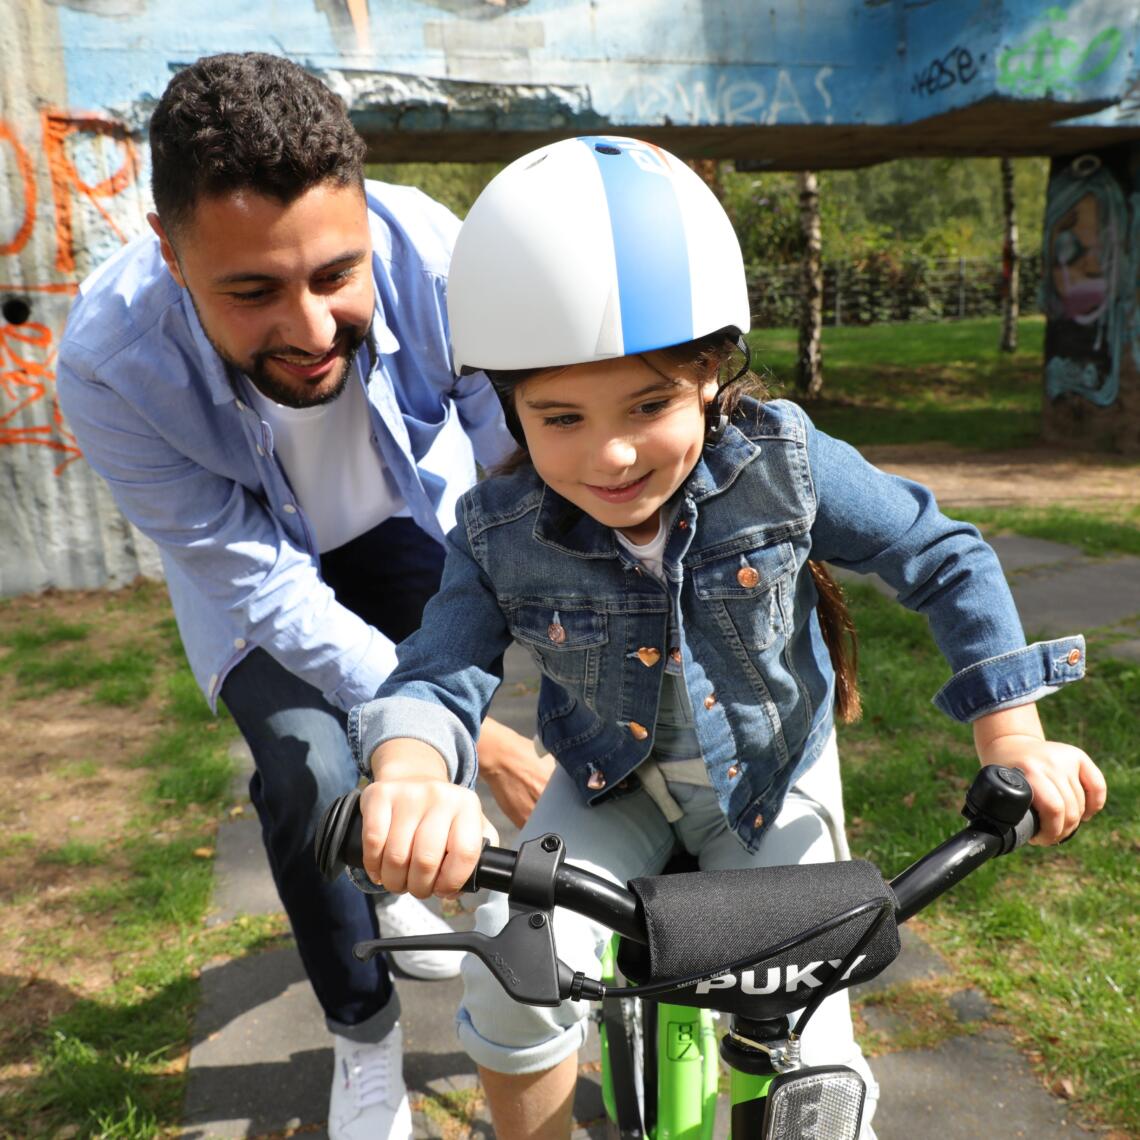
1068, 787
421, 833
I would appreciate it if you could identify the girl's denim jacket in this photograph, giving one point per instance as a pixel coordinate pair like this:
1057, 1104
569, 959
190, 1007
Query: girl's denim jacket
525, 565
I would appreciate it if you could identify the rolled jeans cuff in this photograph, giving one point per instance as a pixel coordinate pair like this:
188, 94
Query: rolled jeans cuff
507, 1059
375, 1029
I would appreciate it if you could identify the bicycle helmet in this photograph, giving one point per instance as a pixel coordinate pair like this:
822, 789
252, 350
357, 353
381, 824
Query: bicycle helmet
590, 249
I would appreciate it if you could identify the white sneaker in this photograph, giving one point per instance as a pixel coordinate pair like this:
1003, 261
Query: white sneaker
401, 916
369, 1100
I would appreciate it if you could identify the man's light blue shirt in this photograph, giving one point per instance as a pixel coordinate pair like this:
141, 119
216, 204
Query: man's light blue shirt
171, 428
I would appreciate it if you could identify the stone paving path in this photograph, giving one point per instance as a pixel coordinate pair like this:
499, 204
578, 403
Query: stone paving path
261, 1061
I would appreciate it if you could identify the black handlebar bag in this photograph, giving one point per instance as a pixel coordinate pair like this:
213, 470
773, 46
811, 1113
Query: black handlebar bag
701, 922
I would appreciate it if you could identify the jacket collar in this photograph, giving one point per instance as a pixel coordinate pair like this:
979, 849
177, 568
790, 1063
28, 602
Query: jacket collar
569, 529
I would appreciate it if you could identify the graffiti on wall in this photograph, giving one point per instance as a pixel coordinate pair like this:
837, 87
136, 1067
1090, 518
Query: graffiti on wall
791, 98
1092, 256
1059, 55
71, 147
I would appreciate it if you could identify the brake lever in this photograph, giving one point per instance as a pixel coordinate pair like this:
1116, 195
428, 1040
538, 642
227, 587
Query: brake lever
521, 956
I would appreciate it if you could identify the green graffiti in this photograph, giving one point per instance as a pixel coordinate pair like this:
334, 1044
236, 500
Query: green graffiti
1049, 63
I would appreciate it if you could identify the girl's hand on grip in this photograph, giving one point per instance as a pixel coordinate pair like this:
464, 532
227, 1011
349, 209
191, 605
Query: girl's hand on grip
421, 833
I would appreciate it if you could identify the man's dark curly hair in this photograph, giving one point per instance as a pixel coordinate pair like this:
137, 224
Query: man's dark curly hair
248, 121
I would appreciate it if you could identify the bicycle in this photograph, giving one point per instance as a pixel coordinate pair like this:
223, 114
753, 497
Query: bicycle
660, 1070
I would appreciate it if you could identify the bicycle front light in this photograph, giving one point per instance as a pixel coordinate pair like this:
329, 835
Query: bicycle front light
815, 1104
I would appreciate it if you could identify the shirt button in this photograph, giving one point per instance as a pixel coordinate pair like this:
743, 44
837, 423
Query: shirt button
747, 577
596, 782
1074, 656
710, 700
758, 822
733, 771
260, 449
638, 731
556, 632
239, 642
648, 657
240, 406
289, 509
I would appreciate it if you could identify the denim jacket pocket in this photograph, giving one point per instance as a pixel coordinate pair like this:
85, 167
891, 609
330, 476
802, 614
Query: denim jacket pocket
744, 593
566, 644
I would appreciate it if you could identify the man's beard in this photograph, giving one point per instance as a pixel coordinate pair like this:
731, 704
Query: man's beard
281, 392
351, 336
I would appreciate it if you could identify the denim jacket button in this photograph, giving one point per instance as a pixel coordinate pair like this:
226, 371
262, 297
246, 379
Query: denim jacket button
596, 781
638, 731
556, 633
675, 655
748, 577
733, 771
710, 700
758, 822
683, 524
648, 656
1074, 656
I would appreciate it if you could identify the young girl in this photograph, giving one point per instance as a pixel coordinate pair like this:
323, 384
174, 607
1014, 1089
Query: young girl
651, 551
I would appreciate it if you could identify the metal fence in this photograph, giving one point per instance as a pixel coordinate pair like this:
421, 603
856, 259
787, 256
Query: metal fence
884, 289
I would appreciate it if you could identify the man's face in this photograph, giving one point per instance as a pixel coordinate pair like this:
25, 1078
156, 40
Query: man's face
284, 292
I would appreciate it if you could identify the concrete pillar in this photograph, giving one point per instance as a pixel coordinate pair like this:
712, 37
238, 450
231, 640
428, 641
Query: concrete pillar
1091, 286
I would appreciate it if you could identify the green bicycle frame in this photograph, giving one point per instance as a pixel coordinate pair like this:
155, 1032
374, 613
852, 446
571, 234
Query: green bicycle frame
688, 1070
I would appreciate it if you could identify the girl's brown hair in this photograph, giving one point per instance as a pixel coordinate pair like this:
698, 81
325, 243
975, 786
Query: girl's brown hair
711, 355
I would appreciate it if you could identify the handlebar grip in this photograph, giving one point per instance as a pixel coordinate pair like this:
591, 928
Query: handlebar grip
338, 841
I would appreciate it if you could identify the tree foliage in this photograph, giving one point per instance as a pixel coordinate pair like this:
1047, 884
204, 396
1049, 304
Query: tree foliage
939, 207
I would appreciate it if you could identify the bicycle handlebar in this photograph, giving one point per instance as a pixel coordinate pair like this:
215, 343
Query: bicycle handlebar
997, 805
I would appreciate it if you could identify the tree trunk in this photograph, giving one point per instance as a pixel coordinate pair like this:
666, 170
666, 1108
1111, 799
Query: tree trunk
809, 373
1009, 262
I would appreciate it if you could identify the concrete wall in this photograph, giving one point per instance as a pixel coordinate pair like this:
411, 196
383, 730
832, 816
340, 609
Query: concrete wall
786, 84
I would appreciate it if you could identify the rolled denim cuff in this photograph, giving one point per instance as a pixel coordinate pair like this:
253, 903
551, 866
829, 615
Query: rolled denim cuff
1012, 679
392, 718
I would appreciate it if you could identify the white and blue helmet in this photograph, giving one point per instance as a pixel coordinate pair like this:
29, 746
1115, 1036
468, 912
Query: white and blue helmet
590, 249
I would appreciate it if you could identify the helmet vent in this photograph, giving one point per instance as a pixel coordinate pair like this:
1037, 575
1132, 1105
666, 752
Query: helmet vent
532, 165
605, 148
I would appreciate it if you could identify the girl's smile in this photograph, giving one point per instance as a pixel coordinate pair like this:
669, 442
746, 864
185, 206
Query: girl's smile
616, 437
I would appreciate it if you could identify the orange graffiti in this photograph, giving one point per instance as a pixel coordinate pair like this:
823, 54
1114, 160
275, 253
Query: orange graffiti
26, 381
27, 350
66, 179
27, 176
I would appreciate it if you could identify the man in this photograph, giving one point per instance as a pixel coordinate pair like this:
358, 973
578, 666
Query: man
266, 387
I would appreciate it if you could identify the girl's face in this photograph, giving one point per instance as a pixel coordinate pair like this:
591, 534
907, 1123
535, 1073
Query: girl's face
615, 437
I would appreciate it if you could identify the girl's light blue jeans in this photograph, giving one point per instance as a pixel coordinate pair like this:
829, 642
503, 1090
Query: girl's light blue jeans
622, 839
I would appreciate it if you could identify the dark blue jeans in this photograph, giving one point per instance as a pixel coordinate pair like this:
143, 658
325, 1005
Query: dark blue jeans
302, 763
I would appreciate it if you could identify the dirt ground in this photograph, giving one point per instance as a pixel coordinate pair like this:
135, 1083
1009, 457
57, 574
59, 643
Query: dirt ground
1027, 477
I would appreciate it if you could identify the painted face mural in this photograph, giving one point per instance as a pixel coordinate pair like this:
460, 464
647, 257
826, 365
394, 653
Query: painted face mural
1090, 281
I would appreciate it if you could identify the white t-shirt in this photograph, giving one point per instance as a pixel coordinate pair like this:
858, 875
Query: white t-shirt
333, 467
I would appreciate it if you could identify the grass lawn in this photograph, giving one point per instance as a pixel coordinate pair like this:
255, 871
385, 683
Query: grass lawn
1049, 934
911, 383
115, 777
